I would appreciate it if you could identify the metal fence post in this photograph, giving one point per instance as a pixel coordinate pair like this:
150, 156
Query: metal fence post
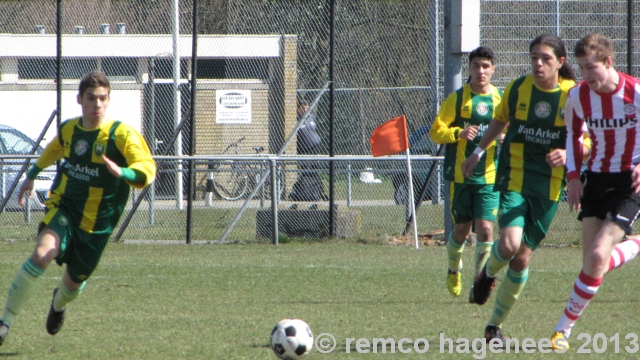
274, 201
452, 81
349, 185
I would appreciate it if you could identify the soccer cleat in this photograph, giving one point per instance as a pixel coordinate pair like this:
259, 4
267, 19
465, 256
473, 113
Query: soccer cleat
454, 284
482, 287
493, 332
55, 319
4, 331
559, 341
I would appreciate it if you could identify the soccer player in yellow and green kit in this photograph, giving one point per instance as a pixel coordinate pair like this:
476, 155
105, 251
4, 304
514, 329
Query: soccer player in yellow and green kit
101, 159
531, 173
461, 123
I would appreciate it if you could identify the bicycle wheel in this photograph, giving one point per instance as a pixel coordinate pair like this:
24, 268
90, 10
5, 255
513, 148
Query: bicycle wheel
229, 180
281, 184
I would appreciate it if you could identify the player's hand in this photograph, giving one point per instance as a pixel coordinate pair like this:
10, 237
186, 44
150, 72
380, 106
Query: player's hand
557, 157
113, 168
25, 187
501, 139
469, 164
469, 133
574, 194
635, 179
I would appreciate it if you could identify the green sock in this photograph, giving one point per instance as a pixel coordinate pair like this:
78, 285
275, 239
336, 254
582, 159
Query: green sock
508, 293
483, 250
495, 263
22, 287
64, 296
454, 253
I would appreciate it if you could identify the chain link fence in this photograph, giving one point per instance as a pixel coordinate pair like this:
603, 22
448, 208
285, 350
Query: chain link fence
255, 61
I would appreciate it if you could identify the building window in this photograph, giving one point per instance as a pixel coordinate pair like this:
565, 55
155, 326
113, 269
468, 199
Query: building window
164, 68
45, 68
233, 68
122, 69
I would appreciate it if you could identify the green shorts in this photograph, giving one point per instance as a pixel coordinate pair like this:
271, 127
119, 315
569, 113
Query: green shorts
531, 213
473, 201
80, 250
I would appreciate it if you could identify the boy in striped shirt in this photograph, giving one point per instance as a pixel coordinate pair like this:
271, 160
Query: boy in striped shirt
606, 105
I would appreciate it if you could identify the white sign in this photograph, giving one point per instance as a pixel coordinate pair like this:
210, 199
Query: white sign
233, 106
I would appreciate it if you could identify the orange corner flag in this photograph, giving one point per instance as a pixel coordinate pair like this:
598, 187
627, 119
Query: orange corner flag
390, 138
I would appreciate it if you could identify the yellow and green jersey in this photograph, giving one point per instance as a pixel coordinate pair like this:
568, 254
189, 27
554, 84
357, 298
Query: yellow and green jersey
461, 109
536, 127
83, 185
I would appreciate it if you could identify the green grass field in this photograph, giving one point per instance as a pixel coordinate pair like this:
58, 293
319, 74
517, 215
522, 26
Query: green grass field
221, 301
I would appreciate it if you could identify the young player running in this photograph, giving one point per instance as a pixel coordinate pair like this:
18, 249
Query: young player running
101, 159
531, 171
461, 122
606, 104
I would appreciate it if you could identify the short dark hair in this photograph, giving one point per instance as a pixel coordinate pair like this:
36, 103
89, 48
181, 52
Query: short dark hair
93, 79
482, 52
303, 102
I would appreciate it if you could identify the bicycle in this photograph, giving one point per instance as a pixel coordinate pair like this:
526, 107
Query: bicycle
232, 179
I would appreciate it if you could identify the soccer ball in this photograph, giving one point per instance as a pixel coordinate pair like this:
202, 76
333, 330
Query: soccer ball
291, 339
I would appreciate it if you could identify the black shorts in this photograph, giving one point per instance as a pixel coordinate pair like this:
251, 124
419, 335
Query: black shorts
610, 196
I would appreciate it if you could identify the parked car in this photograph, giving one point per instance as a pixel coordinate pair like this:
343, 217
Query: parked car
14, 142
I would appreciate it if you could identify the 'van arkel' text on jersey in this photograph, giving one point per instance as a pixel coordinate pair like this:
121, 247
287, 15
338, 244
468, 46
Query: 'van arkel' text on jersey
539, 136
81, 172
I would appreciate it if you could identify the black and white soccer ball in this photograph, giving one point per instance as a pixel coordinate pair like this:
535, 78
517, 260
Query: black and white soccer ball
291, 339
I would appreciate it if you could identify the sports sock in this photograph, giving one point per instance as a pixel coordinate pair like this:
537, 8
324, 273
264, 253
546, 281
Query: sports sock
584, 289
495, 263
454, 253
483, 250
624, 252
508, 293
64, 296
21, 290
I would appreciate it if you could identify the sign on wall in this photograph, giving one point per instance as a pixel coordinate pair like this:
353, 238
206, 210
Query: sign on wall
233, 106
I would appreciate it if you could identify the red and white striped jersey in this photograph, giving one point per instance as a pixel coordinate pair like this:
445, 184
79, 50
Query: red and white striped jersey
612, 122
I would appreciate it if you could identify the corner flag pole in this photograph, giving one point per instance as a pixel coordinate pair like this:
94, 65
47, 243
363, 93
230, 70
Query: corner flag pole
412, 200
423, 192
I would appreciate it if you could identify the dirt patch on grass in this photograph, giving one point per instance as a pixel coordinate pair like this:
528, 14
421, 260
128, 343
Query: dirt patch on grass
434, 238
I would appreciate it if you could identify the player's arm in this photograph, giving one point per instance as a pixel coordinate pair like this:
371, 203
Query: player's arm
51, 153
141, 168
576, 130
441, 130
496, 128
495, 131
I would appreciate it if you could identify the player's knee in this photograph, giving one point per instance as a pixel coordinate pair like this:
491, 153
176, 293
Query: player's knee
42, 259
597, 257
519, 262
508, 249
461, 233
485, 232
44, 255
